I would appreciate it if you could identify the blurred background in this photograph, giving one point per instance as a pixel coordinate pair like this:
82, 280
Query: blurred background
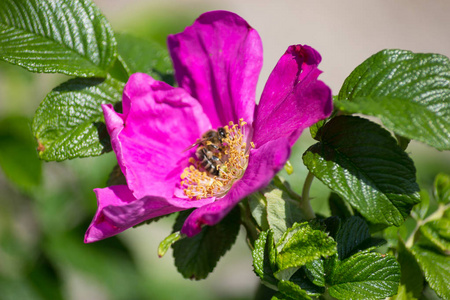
45, 208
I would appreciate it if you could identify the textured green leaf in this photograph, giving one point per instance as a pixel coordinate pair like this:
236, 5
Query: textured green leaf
362, 163
262, 262
364, 276
409, 92
438, 233
304, 279
140, 55
64, 36
436, 267
282, 211
69, 122
197, 256
354, 236
290, 291
442, 188
339, 207
412, 277
302, 244
18, 158
316, 272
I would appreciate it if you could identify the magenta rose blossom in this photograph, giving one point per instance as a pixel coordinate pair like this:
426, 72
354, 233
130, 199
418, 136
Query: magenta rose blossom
159, 138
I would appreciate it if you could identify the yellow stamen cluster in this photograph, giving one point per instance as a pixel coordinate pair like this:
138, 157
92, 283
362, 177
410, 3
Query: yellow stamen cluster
199, 184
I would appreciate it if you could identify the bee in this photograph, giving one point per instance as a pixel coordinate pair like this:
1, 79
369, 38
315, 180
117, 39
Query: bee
210, 149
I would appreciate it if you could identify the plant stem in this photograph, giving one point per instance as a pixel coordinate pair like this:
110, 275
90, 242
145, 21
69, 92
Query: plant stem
305, 204
434, 216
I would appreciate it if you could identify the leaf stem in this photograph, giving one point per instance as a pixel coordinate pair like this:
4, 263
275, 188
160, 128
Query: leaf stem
305, 204
434, 216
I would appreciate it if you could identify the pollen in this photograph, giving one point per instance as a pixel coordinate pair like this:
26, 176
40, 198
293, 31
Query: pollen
233, 154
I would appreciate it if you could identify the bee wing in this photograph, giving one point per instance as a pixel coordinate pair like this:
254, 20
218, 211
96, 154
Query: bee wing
198, 142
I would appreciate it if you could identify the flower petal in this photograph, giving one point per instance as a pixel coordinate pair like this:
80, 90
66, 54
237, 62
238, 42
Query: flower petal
149, 138
264, 163
293, 99
118, 210
218, 60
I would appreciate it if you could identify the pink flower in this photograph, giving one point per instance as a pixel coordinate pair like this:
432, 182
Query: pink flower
217, 61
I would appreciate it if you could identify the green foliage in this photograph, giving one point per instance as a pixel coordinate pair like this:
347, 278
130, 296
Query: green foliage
362, 163
442, 188
409, 92
412, 277
197, 256
18, 158
436, 268
364, 276
65, 36
69, 122
302, 244
140, 55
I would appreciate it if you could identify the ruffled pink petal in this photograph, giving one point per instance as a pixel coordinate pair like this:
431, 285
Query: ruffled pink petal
218, 60
149, 138
293, 99
119, 210
264, 163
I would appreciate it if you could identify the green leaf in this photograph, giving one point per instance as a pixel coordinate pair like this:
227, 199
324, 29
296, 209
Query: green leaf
65, 36
436, 267
316, 272
339, 207
363, 164
264, 257
409, 92
420, 210
302, 244
442, 188
354, 236
304, 278
290, 291
140, 55
69, 122
258, 208
282, 211
197, 256
364, 276
18, 158
412, 278
438, 233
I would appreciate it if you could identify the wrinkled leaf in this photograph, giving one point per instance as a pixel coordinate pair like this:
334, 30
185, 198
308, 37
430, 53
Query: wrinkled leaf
69, 122
197, 256
412, 278
262, 262
362, 163
290, 291
436, 267
365, 276
302, 244
409, 92
69, 37
438, 233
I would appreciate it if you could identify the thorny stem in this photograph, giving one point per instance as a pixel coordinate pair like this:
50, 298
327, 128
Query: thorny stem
305, 204
434, 216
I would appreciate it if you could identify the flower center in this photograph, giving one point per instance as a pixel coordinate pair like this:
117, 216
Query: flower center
222, 157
